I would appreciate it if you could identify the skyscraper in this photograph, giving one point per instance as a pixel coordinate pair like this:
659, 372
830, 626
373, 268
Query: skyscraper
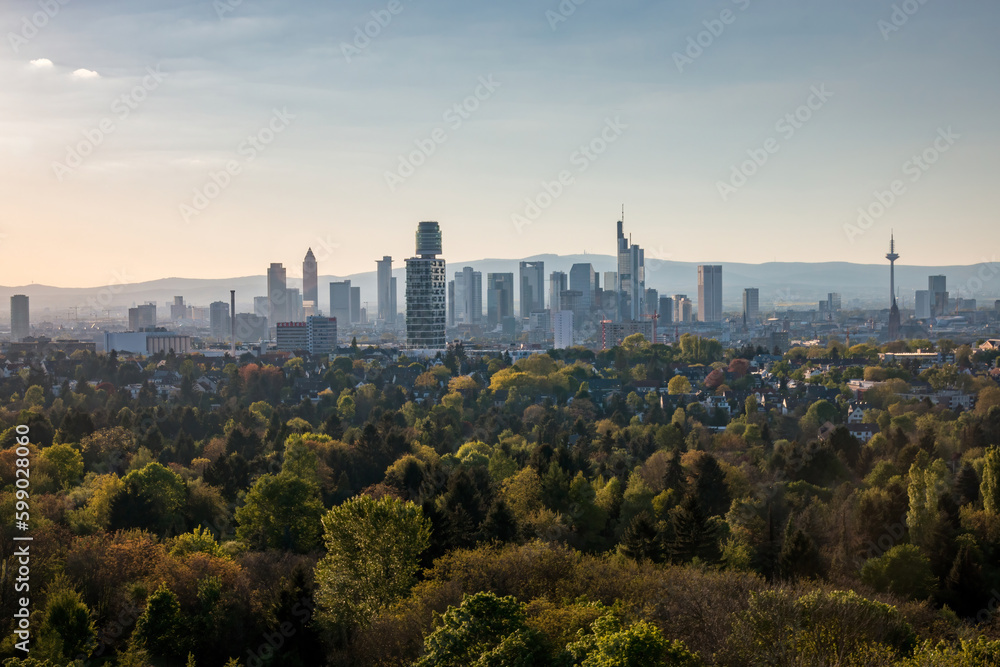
355, 304
751, 305
499, 297
310, 277
583, 279
651, 302
562, 327
142, 317
294, 309
666, 311
386, 291
426, 288
922, 304
938, 287
468, 296
340, 303
892, 256
532, 279
557, 285
631, 277
20, 322
710, 293
277, 306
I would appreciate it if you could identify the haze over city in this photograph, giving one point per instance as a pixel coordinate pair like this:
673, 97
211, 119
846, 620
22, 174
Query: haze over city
297, 129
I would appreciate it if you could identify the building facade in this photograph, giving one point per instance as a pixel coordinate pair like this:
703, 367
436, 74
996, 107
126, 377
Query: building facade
20, 318
426, 289
532, 281
710, 293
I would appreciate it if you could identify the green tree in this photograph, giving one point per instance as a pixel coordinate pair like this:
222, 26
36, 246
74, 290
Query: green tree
161, 626
152, 497
281, 512
678, 385
989, 487
64, 462
927, 485
640, 645
485, 630
67, 629
373, 547
903, 570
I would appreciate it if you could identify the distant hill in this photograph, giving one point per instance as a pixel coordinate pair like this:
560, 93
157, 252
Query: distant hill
781, 284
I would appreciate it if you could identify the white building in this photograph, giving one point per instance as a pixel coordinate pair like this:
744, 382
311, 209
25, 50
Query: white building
562, 324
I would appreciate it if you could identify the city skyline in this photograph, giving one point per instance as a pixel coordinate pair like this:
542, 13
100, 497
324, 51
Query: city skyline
869, 106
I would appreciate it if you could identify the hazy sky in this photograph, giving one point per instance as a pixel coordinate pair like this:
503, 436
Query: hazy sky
114, 114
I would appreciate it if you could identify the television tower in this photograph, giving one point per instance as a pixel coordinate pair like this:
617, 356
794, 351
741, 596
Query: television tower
894, 309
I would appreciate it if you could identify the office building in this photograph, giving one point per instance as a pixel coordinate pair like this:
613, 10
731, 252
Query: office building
558, 283
499, 297
562, 327
294, 305
710, 293
310, 281
340, 303
751, 305
583, 279
631, 287
666, 311
613, 333
651, 301
218, 319
277, 286
20, 321
178, 311
833, 302
355, 305
386, 288
532, 281
142, 317
922, 304
938, 287
146, 342
260, 306
468, 297
250, 328
291, 336
426, 308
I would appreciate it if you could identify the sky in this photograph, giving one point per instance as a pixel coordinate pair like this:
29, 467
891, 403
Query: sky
208, 139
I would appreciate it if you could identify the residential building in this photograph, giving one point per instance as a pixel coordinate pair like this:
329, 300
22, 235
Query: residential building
562, 326
218, 313
751, 305
710, 293
386, 290
426, 288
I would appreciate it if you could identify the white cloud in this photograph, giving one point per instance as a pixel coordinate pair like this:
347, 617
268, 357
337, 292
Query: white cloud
86, 74
41, 63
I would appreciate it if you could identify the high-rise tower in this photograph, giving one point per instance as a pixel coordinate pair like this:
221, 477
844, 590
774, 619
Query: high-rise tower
20, 326
386, 293
310, 286
631, 286
894, 309
277, 298
426, 290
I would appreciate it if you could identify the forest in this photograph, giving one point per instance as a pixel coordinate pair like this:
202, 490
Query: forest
652, 504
